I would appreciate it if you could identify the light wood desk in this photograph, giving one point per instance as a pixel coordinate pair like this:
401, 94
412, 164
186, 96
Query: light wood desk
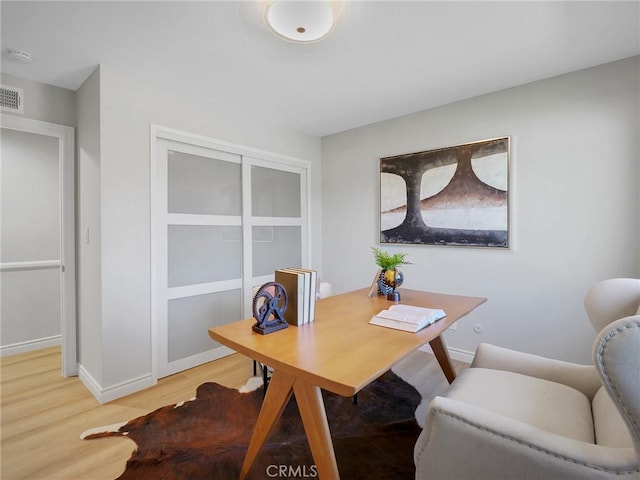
339, 352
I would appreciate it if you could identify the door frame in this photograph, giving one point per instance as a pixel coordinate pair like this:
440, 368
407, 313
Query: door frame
66, 179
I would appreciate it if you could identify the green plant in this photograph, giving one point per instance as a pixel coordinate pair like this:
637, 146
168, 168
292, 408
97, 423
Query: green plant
387, 261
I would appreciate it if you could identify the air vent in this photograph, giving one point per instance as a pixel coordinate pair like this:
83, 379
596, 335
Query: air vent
11, 99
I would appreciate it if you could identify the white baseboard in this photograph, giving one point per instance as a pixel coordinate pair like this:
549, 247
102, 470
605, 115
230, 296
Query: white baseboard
455, 353
460, 355
104, 395
30, 345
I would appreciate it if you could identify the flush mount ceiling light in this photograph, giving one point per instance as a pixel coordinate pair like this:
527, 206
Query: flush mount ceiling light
300, 21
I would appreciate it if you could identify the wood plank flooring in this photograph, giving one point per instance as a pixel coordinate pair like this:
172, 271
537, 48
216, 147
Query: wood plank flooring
43, 414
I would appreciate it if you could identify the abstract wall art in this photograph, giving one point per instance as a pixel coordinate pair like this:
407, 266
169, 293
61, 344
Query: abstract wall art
456, 195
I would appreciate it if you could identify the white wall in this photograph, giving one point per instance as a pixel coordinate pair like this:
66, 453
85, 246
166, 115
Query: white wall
88, 243
575, 207
127, 109
44, 102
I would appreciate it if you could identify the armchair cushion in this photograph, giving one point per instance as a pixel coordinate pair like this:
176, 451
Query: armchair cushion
581, 377
543, 404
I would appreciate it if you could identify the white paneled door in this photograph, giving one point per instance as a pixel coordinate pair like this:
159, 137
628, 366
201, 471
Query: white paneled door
223, 222
37, 247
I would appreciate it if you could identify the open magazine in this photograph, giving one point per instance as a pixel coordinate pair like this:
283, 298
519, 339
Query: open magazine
407, 317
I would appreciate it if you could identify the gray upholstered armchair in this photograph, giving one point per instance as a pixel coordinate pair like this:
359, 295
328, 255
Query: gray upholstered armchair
519, 416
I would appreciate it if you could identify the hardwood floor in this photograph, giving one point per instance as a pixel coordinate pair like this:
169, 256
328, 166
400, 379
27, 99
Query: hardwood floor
43, 414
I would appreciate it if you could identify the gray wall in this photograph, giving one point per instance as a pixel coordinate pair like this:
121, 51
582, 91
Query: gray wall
44, 102
88, 244
127, 108
575, 208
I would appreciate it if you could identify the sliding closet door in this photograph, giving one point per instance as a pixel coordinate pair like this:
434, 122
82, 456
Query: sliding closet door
200, 235
223, 222
275, 213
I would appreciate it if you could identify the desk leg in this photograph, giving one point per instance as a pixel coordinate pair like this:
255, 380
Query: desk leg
442, 355
275, 400
314, 419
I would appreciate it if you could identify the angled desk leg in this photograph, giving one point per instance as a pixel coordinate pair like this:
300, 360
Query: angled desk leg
275, 400
314, 419
442, 355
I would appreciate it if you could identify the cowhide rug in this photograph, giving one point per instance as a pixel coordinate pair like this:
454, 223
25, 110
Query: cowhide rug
207, 437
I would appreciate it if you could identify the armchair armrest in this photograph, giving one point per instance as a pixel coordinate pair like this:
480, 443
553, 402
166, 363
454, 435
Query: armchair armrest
581, 377
463, 441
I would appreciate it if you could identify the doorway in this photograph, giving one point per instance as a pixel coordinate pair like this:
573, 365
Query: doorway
37, 254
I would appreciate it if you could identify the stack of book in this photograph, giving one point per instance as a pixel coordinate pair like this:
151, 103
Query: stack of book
301, 286
407, 317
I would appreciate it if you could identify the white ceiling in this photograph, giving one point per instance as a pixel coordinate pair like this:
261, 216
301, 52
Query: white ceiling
384, 59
